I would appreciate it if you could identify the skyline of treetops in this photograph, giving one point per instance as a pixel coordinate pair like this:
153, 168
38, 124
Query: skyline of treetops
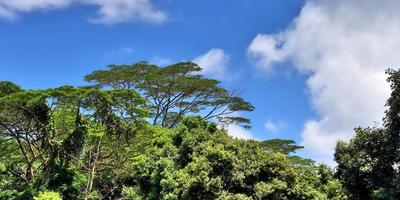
186, 99
146, 132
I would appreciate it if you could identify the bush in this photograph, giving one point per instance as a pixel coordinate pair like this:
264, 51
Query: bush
48, 195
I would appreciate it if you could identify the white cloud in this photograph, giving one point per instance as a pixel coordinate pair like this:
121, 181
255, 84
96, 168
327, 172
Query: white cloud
274, 127
266, 45
160, 61
117, 11
214, 62
344, 46
11, 9
110, 11
239, 132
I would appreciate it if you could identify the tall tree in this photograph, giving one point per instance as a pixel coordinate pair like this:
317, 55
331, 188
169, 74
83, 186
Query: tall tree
392, 119
49, 128
360, 167
175, 91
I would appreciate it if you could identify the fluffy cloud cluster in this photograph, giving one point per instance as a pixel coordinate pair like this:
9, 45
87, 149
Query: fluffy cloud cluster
110, 11
214, 63
344, 46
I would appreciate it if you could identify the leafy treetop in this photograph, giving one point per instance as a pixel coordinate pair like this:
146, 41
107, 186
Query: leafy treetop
175, 91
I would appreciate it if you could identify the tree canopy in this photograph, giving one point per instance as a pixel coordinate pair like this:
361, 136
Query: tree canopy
197, 161
44, 130
97, 142
175, 91
280, 145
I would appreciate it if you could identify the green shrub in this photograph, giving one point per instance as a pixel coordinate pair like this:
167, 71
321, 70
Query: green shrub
48, 195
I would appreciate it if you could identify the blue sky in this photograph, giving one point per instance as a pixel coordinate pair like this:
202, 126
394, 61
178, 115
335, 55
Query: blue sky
274, 50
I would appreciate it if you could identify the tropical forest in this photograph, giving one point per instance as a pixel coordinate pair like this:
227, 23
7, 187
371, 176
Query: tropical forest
199, 100
147, 132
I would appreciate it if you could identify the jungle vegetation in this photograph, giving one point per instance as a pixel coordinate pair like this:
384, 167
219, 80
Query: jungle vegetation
147, 132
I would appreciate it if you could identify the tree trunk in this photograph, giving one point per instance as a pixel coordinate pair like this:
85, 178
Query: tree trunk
92, 172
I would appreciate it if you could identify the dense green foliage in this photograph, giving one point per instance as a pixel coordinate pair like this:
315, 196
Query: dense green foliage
102, 143
198, 161
368, 165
